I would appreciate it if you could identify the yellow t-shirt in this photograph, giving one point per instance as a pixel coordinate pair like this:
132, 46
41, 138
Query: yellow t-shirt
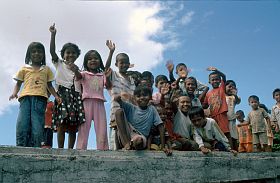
35, 81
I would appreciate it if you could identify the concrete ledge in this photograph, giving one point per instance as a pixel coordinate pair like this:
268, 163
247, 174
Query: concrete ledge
60, 165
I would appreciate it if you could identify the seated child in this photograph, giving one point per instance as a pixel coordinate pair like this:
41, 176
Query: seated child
207, 133
134, 123
244, 133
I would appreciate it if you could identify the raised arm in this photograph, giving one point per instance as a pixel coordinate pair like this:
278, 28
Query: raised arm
52, 29
16, 90
221, 74
111, 47
170, 67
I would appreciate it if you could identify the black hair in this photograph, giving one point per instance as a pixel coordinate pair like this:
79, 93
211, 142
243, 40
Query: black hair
196, 110
147, 75
122, 54
142, 90
240, 112
31, 46
68, 45
275, 91
101, 68
253, 97
230, 81
215, 73
263, 106
192, 78
180, 64
160, 78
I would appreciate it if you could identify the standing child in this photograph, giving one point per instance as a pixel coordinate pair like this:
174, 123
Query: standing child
275, 112
269, 134
93, 81
69, 114
216, 100
48, 131
37, 77
122, 84
207, 133
232, 100
258, 118
244, 133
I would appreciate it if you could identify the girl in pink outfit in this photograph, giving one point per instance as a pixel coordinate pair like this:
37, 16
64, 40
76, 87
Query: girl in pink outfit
93, 80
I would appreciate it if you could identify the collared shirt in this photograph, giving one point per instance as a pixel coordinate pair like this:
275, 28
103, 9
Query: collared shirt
257, 119
210, 132
275, 114
63, 75
93, 85
35, 81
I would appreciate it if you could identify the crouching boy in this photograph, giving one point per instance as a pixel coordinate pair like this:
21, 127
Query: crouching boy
207, 133
134, 122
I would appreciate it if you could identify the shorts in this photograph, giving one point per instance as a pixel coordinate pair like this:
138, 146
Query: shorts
260, 138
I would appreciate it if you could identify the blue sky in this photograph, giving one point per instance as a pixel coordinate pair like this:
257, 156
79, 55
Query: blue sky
242, 39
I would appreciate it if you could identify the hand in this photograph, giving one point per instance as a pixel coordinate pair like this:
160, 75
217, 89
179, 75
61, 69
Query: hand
205, 150
73, 67
110, 45
167, 151
13, 96
169, 65
108, 72
52, 29
211, 68
58, 99
165, 89
233, 152
269, 129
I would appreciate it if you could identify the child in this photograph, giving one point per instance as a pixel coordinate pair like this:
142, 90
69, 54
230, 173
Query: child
270, 135
182, 126
275, 112
216, 100
93, 80
232, 100
244, 133
122, 84
134, 122
160, 81
147, 79
257, 119
37, 77
69, 114
182, 72
48, 132
207, 133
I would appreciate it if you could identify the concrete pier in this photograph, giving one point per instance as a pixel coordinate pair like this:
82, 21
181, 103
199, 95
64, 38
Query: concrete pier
60, 165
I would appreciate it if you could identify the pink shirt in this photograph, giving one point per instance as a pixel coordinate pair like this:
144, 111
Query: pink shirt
93, 85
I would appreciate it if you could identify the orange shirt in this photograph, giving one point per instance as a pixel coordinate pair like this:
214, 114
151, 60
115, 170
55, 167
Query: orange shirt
245, 134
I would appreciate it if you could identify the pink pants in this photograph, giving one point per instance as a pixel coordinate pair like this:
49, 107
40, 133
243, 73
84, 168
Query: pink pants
94, 110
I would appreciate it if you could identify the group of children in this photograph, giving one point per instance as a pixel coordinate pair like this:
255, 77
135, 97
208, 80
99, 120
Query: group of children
182, 115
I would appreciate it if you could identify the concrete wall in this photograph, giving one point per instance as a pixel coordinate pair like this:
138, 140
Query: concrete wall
57, 165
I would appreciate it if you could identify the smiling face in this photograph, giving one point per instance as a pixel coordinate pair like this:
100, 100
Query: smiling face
143, 99
93, 62
122, 63
230, 89
37, 56
215, 80
190, 85
184, 103
70, 54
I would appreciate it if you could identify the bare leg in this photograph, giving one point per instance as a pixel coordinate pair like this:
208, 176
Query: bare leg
60, 137
259, 147
71, 139
123, 128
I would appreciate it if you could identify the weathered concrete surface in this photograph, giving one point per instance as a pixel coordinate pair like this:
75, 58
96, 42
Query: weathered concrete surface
58, 165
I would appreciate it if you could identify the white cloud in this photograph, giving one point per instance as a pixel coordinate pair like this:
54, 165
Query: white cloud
187, 18
131, 25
